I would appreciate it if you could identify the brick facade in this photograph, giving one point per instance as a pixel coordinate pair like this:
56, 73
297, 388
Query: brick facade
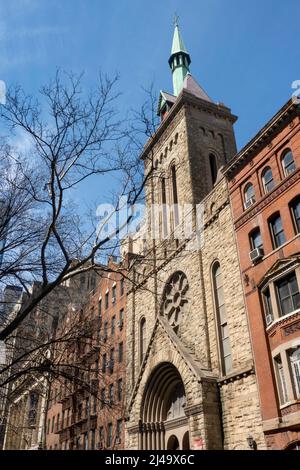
274, 333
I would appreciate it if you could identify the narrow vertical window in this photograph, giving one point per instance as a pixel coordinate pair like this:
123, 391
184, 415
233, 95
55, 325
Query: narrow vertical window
224, 340
175, 195
267, 179
213, 168
294, 358
268, 306
288, 294
281, 380
109, 435
164, 207
277, 232
255, 239
288, 163
295, 210
142, 339
249, 195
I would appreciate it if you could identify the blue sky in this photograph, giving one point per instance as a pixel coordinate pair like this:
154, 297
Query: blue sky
245, 54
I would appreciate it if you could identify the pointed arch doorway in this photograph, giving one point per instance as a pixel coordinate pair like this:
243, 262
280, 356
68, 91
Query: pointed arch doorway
164, 424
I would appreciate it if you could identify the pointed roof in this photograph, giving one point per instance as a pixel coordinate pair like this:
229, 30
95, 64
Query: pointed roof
177, 45
194, 88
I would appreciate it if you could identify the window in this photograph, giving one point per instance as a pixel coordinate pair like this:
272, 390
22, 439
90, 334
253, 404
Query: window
113, 325
109, 435
87, 406
281, 380
32, 413
294, 358
86, 441
255, 239
175, 195
142, 339
213, 168
105, 330
100, 312
101, 437
113, 297
277, 231
48, 426
112, 360
288, 294
121, 319
92, 439
268, 306
102, 398
288, 163
111, 393
119, 431
295, 209
267, 178
106, 300
164, 207
120, 352
79, 410
52, 424
122, 286
225, 348
120, 389
249, 195
94, 404
104, 361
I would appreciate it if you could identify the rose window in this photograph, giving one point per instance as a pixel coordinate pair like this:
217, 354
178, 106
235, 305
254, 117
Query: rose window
174, 298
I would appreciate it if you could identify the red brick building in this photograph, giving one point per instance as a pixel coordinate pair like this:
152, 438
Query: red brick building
265, 196
86, 403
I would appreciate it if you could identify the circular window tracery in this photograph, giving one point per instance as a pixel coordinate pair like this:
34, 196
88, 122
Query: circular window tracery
174, 298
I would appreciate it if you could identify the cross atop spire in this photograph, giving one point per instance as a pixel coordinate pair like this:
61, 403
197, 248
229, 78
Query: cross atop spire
176, 20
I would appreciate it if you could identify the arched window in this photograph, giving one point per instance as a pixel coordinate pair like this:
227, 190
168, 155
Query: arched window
213, 168
288, 163
142, 339
255, 239
175, 195
295, 210
267, 178
164, 207
249, 195
220, 308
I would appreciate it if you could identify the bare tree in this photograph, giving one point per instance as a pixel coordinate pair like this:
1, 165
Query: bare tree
72, 136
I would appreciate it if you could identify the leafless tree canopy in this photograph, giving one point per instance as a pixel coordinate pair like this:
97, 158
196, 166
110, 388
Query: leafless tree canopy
70, 136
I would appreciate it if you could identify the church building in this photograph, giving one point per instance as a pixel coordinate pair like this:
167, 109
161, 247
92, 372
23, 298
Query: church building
190, 373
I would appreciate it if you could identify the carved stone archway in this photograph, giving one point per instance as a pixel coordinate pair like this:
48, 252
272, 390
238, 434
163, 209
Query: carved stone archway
162, 413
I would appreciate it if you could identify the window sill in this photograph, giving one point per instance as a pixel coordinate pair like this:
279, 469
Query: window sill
283, 319
296, 401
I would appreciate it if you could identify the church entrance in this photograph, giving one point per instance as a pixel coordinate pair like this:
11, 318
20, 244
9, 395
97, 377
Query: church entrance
164, 424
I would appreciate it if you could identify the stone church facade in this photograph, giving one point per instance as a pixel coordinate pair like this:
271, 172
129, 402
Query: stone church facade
190, 375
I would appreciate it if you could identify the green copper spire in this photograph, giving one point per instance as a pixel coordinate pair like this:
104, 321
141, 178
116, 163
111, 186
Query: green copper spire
179, 60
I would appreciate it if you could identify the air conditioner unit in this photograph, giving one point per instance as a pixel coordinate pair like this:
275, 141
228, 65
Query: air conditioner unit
113, 300
256, 255
269, 319
249, 202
